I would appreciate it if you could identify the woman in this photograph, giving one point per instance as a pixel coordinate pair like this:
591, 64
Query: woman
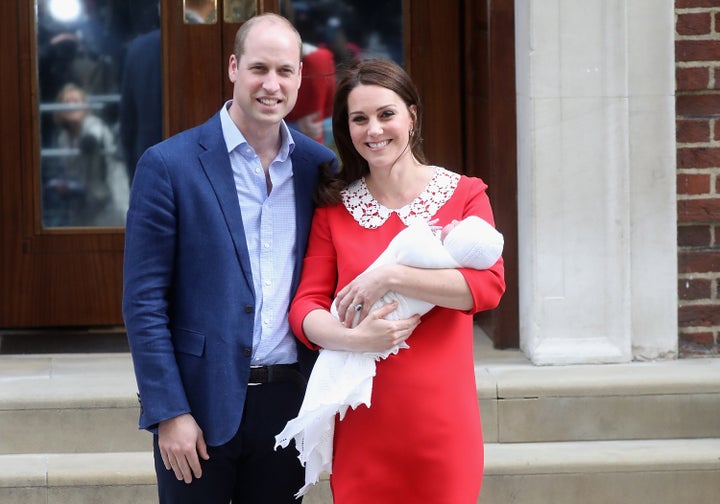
421, 439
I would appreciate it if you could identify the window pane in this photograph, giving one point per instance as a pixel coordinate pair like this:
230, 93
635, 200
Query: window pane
350, 28
336, 33
82, 49
200, 11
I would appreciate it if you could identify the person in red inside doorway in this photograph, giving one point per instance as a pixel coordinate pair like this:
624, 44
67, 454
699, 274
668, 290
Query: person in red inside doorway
315, 97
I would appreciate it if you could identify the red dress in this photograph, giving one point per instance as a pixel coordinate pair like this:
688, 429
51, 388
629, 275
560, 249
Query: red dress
421, 439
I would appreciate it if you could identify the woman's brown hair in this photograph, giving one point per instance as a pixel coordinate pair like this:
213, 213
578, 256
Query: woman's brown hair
370, 72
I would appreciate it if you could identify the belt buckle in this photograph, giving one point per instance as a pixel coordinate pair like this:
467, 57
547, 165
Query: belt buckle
253, 384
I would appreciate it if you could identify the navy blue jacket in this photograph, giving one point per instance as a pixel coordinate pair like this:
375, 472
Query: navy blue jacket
188, 299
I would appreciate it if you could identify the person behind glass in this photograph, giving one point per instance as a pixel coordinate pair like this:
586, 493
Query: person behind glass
198, 11
215, 235
315, 98
93, 182
141, 97
421, 438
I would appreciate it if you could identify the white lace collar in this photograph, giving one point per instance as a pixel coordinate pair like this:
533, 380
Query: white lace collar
370, 214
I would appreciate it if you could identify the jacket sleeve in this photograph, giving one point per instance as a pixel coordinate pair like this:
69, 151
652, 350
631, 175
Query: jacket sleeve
150, 240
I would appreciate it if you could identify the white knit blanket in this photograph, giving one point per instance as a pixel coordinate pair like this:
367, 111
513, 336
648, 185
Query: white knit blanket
341, 379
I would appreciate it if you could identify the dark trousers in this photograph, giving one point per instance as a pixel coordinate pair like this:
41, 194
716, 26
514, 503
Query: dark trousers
247, 469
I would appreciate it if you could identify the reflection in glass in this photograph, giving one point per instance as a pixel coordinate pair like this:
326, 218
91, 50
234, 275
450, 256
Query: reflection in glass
200, 11
88, 181
334, 35
81, 57
351, 29
238, 11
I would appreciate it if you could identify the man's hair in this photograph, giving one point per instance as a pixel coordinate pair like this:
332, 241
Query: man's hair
247, 26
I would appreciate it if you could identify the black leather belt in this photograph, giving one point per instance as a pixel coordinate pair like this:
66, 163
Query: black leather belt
276, 373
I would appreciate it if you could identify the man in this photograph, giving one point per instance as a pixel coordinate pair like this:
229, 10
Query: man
216, 232
141, 98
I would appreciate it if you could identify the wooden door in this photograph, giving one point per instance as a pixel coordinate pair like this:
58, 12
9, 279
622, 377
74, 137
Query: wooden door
50, 276
459, 53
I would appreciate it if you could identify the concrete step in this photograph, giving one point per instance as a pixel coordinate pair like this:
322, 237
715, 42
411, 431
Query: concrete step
522, 403
587, 472
66, 403
77, 478
626, 433
69, 403
669, 471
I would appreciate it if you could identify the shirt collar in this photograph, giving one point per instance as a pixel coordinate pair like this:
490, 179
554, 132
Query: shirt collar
234, 137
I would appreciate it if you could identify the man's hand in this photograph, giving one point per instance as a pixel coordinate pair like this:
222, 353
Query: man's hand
181, 441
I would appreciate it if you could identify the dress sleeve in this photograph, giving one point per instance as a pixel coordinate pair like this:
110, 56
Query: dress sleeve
487, 286
318, 280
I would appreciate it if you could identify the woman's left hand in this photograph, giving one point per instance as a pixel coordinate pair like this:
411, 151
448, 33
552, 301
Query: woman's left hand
362, 293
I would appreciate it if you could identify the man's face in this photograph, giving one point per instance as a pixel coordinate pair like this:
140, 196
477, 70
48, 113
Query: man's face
266, 78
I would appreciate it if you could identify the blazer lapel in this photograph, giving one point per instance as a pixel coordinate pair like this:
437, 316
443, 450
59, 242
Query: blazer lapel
216, 164
304, 181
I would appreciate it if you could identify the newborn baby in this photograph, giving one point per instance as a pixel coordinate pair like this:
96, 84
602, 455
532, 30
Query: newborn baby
342, 379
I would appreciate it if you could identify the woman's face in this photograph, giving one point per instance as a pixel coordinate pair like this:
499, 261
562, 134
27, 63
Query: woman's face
380, 125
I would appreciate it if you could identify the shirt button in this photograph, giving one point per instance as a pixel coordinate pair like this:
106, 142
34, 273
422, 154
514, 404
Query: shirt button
247, 352
249, 308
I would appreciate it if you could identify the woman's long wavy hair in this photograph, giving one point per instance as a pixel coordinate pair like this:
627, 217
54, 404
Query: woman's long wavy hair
375, 72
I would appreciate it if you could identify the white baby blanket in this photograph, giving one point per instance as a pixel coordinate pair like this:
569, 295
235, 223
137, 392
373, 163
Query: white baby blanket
342, 379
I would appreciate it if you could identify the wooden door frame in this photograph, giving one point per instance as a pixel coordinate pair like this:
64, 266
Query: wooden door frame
50, 277
491, 142
468, 90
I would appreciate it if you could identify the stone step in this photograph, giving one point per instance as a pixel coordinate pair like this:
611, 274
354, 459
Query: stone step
622, 433
669, 471
591, 472
69, 403
522, 403
77, 478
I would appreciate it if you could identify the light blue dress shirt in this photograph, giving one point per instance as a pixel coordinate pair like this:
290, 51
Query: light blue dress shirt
269, 221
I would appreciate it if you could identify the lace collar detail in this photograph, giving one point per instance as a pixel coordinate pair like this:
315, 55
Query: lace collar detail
370, 214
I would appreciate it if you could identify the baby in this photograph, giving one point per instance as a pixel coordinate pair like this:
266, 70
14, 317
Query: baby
342, 379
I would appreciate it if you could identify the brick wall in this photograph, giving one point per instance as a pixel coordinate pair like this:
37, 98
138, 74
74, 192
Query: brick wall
697, 59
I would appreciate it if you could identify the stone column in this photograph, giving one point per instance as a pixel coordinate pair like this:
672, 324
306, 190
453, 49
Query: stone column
596, 180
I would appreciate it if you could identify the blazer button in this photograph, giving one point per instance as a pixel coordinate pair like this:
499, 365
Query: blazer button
249, 308
247, 352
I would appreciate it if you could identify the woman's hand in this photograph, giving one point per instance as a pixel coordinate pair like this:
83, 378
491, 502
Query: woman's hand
362, 293
375, 334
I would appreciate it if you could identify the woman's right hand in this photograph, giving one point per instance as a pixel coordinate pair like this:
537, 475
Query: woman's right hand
375, 334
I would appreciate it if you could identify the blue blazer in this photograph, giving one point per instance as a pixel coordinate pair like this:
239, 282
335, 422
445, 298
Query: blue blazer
188, 299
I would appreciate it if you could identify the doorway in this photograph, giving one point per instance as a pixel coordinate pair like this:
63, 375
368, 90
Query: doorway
62, 252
